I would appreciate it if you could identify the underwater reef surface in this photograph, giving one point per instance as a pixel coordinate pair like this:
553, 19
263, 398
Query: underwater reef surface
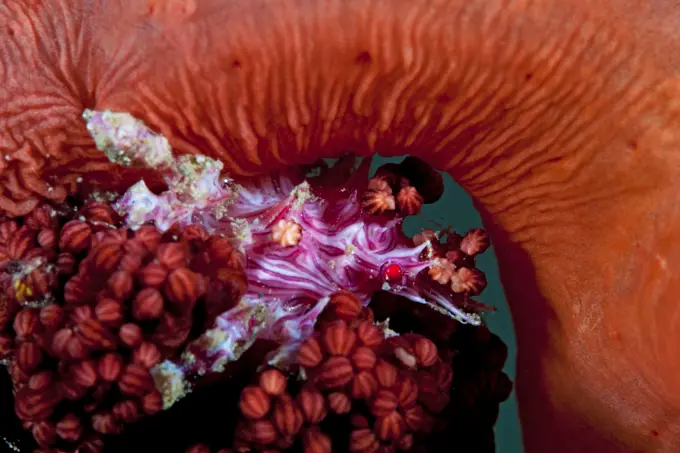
560, 118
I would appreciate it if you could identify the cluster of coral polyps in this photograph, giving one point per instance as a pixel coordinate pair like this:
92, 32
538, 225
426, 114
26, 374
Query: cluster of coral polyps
391, 389
115, 309
360, 387
95, 307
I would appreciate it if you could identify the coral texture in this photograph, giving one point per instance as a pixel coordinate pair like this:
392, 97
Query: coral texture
99, 306
560, 117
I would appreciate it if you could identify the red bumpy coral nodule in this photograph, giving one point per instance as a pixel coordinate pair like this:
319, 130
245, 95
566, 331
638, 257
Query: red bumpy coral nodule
80, 357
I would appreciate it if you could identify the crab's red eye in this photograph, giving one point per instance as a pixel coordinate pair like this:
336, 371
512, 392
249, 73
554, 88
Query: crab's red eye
393, 272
